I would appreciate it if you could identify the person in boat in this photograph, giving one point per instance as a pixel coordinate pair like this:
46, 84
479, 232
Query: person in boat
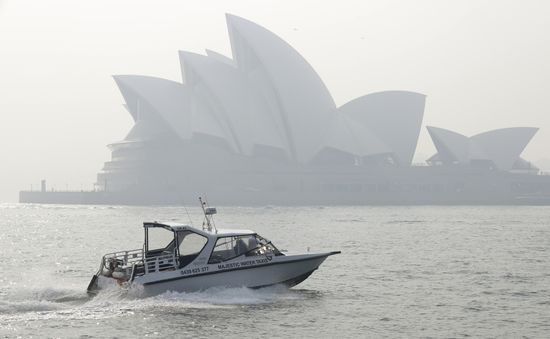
245, 246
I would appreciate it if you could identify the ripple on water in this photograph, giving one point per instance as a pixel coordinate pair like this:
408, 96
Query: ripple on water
404, 272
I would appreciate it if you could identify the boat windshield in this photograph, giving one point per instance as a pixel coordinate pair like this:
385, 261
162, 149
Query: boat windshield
227, 248
190, 246
190, 243
158, 239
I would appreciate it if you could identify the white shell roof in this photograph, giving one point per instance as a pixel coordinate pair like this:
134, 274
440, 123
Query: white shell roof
501, 146
298, 92
269, 95
451, 146
220, 57
164, 105
237, 111
146, 130
504, 146
353, 138
395, 117
169, 100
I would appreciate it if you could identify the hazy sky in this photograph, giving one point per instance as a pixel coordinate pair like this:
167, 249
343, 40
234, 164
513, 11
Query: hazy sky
482, 64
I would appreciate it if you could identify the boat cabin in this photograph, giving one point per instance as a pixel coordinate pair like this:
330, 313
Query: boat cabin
171, 246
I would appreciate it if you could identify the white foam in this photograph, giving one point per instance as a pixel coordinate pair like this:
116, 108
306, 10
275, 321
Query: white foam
13, 307
233, 296
113, 301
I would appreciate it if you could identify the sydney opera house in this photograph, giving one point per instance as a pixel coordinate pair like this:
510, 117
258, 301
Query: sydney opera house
261, 127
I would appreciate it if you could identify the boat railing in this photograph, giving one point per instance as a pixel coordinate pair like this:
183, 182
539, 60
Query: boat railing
163, 262
122, 259
133, 261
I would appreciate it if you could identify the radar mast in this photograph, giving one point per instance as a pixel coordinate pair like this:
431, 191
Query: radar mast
208, 222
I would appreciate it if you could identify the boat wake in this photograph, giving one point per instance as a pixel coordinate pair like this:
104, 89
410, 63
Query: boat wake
215, 297
70, 304
41, 300
219, 296
14, 307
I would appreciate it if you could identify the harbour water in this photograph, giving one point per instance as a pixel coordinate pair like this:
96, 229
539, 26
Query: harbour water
403, 272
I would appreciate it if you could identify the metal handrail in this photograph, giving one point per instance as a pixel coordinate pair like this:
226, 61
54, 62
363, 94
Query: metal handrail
162, 262
124, 258
128, 260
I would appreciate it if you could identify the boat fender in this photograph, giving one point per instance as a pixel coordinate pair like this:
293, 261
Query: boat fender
113, 263
119, 274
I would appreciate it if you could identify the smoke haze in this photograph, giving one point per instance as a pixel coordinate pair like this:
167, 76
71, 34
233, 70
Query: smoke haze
482, 64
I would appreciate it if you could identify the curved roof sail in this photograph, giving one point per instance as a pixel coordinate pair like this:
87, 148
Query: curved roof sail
168, 103
451, 147
227, 90
220, 57
504, 146
149, 98
394, 116
292, 88
349, 137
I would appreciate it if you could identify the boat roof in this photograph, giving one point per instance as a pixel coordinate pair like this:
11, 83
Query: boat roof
176, 227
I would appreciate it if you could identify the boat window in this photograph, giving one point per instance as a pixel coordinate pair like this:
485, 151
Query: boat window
158, 238
191, 243
262, 246
249, 245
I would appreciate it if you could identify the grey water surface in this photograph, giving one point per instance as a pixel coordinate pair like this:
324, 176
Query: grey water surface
403, 272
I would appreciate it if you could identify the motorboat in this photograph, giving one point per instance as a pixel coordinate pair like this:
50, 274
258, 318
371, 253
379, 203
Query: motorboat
183, 258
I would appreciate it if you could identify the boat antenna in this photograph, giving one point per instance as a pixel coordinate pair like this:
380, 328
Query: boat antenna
188, 216
187, 212
208, 222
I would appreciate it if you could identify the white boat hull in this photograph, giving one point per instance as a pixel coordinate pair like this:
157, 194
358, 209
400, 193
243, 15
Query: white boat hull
289, 270
248, 272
